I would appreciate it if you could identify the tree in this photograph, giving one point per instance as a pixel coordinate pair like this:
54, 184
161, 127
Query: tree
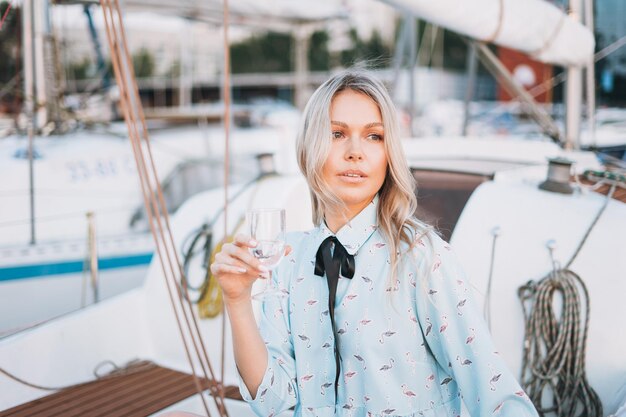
10, 53
143, 63
319, 57
374, 51
269, 52
81, 70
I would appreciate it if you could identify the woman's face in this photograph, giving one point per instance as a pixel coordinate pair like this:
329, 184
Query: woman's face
357, 163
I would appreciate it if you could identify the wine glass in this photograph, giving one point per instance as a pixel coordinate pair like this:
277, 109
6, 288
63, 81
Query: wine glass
267, 227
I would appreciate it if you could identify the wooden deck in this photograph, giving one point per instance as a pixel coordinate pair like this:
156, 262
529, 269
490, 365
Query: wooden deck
141, 389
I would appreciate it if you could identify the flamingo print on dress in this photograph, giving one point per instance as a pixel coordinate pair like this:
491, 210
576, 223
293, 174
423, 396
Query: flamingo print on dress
349, 375
364, 321
463, 362
311, 301
344, 329
412, 280
305, 339
325, 386
323, 315
303, 336
348, 297
387, 334
460, 305
414, 313
414, 320
387, 411
305, 378
262, 395
429, 379
471, 337
375, 248
387, 367
446, 383
495, 377
390, 332
349, 406
411, 361
444, 326
429, 326
437, 263
369, 282
409, 394
493, 380
360, 359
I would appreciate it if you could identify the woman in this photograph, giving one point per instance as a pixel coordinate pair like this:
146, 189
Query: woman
378, 319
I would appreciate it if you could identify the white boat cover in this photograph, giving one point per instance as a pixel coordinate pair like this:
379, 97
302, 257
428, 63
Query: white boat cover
535, 27
244, 11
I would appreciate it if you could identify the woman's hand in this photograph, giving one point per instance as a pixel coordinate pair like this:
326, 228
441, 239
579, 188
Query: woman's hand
236, 269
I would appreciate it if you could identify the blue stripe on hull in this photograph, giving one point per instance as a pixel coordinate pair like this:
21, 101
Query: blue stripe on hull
69, 267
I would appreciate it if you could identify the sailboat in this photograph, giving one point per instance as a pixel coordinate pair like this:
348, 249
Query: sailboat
508, 223
83, 236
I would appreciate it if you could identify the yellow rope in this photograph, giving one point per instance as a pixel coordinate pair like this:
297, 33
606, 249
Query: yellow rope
211, 301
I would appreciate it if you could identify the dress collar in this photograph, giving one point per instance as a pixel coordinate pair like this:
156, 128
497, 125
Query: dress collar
357, 231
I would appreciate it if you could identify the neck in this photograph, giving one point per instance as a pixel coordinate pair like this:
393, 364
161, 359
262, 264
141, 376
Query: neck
336, 219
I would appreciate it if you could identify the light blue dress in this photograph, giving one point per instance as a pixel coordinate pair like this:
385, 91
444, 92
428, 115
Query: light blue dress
416, 347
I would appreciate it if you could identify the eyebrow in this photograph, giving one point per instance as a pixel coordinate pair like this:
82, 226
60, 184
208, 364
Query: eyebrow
367, 126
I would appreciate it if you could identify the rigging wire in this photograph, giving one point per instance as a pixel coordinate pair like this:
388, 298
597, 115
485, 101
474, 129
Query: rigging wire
227, 104
6, 13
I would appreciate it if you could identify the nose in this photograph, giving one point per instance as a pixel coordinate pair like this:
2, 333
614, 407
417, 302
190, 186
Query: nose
354, 152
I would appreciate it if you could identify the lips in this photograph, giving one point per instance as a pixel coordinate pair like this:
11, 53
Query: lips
352, 174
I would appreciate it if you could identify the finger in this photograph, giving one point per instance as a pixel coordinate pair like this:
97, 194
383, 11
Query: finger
288, 250
244, 268
217, 269
244, 256
244, 241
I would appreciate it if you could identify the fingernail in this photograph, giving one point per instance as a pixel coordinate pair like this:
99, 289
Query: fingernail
263, 268
253, 242
243, 270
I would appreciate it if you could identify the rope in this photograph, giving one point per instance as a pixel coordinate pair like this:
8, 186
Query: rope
498, 28
606, 203
194, 239
548, 42
130, 368
554, 351
6, 13
156, 208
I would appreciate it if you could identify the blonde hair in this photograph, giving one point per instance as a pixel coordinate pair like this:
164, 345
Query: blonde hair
397, 201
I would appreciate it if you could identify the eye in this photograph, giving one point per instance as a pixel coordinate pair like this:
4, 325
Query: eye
337, 134
375, 137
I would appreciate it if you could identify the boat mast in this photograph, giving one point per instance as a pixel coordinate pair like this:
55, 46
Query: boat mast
28, 33
591, 78
573, 92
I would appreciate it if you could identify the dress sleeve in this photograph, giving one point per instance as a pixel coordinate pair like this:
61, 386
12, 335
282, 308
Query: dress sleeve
460, 340
278, 389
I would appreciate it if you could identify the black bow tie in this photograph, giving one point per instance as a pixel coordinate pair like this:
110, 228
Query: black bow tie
333, 263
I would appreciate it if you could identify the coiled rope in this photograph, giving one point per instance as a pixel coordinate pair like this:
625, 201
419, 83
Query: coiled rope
200, 242
553, 363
